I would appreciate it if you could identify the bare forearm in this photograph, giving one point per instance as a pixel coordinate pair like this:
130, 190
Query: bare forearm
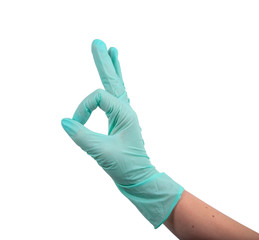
194, 219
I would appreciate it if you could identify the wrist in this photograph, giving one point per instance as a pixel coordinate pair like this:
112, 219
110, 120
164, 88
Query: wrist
155, 197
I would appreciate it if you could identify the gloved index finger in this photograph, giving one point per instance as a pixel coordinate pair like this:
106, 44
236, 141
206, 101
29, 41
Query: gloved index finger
110, 79
98, 98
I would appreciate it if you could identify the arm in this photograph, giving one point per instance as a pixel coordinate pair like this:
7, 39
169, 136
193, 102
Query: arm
122, 155
194, 219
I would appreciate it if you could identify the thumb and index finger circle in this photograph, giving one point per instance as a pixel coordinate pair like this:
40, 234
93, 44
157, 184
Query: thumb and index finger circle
75, 128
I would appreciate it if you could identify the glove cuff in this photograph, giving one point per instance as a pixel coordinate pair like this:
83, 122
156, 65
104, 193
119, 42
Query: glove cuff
155, 197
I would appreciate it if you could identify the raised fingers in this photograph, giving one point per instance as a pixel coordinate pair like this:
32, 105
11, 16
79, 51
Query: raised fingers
109, 69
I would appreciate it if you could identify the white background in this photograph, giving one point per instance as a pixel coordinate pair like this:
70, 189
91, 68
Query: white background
191, 71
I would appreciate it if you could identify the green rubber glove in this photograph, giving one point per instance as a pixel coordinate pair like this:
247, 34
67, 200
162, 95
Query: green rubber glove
121, 153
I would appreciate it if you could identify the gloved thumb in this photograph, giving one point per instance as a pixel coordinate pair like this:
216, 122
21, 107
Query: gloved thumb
86, 139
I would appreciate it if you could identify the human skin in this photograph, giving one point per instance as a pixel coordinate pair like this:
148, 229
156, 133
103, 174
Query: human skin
194, 219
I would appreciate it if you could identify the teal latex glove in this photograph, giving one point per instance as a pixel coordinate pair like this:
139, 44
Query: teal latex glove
121, 153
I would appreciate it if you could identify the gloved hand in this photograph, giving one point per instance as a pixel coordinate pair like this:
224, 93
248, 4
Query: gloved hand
121, 153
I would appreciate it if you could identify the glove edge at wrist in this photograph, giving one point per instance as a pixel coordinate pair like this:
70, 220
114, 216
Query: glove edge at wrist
155, 197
